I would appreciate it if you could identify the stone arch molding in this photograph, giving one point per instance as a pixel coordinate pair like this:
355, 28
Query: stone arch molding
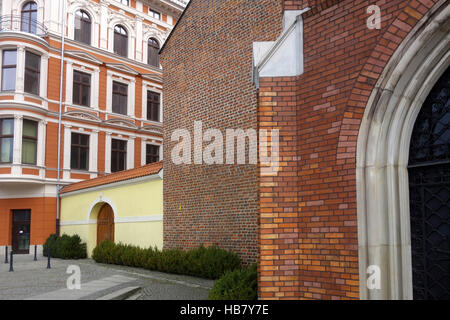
151, 32
93, 10
384, 237
101, 200
118, 18
18, 5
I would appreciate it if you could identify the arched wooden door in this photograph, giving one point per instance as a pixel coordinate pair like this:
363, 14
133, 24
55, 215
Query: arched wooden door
105, 224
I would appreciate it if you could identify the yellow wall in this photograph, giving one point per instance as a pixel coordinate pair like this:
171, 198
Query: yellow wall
136, 203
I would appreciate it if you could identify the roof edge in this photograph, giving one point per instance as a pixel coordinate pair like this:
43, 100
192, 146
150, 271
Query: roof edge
173, 29
152, 174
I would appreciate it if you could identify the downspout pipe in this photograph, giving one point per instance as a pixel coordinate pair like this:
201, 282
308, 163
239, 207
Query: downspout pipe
58, 183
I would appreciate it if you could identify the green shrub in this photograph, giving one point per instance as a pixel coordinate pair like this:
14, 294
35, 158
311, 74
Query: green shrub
65, 247
203, 262
239, 284
212, 262
103, 252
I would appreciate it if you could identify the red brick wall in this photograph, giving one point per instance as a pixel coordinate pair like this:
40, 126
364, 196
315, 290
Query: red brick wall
307, 213
208, 76
308, 231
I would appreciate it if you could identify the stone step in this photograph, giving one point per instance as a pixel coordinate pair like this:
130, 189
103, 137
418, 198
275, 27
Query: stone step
122, 294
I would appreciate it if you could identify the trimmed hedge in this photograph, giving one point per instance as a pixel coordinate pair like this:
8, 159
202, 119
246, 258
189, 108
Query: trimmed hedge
240, 284
209, 263
65, 247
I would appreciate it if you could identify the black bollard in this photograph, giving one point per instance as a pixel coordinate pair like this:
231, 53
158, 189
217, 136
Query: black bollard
35, 252
6, 254
48, 258
11, 269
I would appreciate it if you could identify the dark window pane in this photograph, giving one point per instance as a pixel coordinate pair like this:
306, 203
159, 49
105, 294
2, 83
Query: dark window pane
74, 156
30, 129
83, 159
120, 41
118, 155
79, 158
32, 72
22, 215
152, 154
33, 61
82, 27
120, 98
76, 93
153, 53
81, 88
85, 96
31, 82
29, 17
153, 105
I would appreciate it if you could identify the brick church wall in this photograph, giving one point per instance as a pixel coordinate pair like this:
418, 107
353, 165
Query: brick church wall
307, 235
308, 217
208, 77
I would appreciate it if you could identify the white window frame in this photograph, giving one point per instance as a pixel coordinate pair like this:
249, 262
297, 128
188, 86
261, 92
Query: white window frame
108, 151
16, 164
19, 93
152, 14
153, 34
131, 37
94, 71
131, 82
93, 150
144, 144
147, 86
95, 23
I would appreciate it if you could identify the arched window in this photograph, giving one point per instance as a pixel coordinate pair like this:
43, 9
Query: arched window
153, 52
120, 41
429, 178
82, 27
29, 17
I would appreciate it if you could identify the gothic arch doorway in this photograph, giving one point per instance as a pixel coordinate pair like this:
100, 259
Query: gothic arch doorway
383, 165
105, 224
429, 185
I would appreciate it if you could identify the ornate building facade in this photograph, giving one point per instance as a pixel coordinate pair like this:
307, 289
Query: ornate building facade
109, 94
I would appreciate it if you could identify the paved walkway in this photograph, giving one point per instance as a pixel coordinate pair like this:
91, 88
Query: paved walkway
32, 280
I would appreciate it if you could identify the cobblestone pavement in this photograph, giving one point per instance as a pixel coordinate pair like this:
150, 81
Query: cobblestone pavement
31, 278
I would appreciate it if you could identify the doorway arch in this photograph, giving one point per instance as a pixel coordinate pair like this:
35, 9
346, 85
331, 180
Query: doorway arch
429, 185
105, 224
384, 236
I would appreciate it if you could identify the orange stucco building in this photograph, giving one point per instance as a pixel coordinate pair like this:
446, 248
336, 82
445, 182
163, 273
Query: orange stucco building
111, 101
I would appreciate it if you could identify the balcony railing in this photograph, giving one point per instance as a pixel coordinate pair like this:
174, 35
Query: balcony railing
15, 23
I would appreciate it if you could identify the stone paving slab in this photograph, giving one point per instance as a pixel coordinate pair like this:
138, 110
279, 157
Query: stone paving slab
87, 289
31, 278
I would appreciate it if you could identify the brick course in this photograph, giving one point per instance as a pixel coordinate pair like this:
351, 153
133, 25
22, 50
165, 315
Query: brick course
307, 235
207, 77
308, 232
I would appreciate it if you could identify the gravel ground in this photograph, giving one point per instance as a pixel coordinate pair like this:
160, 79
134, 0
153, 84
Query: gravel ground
31, 278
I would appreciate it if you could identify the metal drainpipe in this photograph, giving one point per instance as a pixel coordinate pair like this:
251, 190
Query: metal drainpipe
63, 29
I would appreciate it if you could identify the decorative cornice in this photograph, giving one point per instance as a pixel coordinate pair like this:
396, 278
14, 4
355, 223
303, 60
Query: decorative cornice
81, 115
121, 123
122, 68
84, 56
